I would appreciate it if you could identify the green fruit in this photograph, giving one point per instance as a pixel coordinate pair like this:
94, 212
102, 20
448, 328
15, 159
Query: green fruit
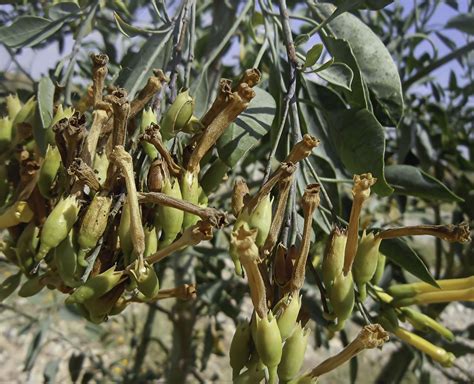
239, 352
293, 353
190, 193
365, 262
268, 343
178, 115
49, 170
170, 219
287, 310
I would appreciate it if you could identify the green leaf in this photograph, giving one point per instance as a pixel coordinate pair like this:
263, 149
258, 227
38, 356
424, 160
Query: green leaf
313, 55
374, 60
412, 181
131, 31
248, 129
360, 142
138, 66
8, 286
62, 10
404, 256
27, 31
46, 90
463, 22
338, 74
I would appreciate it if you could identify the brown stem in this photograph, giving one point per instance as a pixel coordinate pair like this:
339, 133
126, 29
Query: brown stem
310, 204
221, 101
183, 292
213, 216
360, 193
371, 336
124, 162
453, 233
121, 108
239, 193
302, 149
284, 186
152, 87
247, 250
191, 236
84, 173
152, 135
239, 101
99, 119
99, 73
251, 77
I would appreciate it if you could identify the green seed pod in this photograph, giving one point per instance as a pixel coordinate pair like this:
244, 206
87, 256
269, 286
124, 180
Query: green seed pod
18, 212
93, 226
49, 170
239, 352
31, 287
65, 258
342, 298
8, 286
190, 192
287, 310
268, 343
151, 241
26, 247
57, 225
147, 282
193, 126
261, 219
365, 262
148, 117
4, 184
5, 133
305, 379
125, 235
101, 164
95, 287
13, 106
99, 308
293, 353
380, 269
333, 260
255, 372
177, 115
171, 219
119, 306
27, 113
424, 323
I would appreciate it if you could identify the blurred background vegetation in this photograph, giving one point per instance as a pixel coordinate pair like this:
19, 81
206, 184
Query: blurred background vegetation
409, 121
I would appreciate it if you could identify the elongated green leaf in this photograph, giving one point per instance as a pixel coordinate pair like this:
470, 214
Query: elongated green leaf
377, 66
464, 23
339, 74
29, 31
248, 129
409, 180
63, 9
45, 112
137, 67
404, 256
8, 286
130, 30
360, 142
313, 55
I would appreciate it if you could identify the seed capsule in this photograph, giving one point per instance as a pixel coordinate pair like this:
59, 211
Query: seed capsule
177, 115
13, 106
342, 298
268, 343
379, 270
240, 348
147, 282
365, 262
293, 353
171, 219
151, 241
148, 117
99, 308
95, 287
15, 214
333, 260
287, 310
157, 174
26, 247
5, 133
261, 219
31, 287
190, 192
124, 232
93, 226
193, 126
57, 225
65, 258
49, 170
